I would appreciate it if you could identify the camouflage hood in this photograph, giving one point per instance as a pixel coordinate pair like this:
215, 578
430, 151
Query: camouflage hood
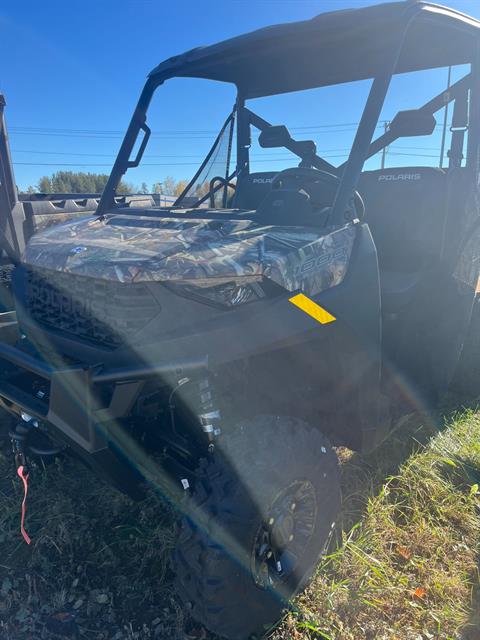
131, 248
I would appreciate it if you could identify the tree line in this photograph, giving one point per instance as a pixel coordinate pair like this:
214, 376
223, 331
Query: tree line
86, 182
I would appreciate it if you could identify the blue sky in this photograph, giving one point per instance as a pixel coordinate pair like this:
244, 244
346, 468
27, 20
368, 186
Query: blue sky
72, 72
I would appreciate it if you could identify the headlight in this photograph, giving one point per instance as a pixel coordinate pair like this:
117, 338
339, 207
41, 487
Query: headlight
225, 294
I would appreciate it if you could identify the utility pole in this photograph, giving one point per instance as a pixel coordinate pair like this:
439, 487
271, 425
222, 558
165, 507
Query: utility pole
384, 151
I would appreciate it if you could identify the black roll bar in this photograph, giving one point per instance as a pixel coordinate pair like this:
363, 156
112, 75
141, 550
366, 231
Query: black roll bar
473, 148
123, 162
368, 123
244, 139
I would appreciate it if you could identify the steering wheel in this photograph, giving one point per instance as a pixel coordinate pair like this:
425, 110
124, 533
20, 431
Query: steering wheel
214, 187
321, 186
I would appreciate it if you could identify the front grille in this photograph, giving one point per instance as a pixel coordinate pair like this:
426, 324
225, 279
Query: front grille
100, 311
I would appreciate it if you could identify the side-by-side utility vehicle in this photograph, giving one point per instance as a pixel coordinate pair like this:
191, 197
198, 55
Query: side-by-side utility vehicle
217, 349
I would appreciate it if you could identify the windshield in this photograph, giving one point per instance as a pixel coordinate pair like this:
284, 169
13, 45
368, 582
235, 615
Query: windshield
316, 125
314, 129
317, 130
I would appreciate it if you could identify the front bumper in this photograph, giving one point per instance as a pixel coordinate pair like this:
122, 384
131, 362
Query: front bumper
83, 406
75, 401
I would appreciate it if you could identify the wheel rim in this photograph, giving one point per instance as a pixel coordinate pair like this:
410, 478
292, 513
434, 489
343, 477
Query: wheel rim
284, 535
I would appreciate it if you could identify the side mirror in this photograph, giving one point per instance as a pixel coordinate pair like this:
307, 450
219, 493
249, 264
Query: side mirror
407, 124
278, 136
275, 136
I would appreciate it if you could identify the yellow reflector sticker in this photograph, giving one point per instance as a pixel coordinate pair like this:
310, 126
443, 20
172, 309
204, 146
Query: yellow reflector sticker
313, 309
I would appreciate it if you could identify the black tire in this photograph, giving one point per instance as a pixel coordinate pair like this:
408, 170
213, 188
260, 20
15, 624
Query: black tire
252, 472
467, 376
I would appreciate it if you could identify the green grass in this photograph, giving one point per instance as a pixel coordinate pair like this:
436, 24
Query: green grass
405, 569
408, 568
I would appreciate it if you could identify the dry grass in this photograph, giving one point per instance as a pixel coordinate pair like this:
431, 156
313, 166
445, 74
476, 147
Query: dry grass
405, 569
95, 555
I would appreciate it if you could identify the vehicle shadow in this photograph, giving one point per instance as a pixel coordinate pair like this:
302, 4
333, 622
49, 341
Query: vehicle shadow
364, 474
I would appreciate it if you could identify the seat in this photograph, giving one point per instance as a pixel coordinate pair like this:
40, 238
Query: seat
406, 211
285, 207
252, 189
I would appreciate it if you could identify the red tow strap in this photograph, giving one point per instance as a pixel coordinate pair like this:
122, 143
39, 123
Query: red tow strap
24, 477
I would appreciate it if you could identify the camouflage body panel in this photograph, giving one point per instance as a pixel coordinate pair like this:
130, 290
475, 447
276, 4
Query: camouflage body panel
43, 222
135, 248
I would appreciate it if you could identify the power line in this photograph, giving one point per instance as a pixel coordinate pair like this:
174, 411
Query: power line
196, 156
113, 155
145, 164
197, 134
120, 132
164, 131
176, 164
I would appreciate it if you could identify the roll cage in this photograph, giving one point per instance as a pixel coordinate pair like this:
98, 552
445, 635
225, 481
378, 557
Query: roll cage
388, 38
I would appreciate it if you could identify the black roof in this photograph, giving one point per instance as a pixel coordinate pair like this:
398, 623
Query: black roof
334, 47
